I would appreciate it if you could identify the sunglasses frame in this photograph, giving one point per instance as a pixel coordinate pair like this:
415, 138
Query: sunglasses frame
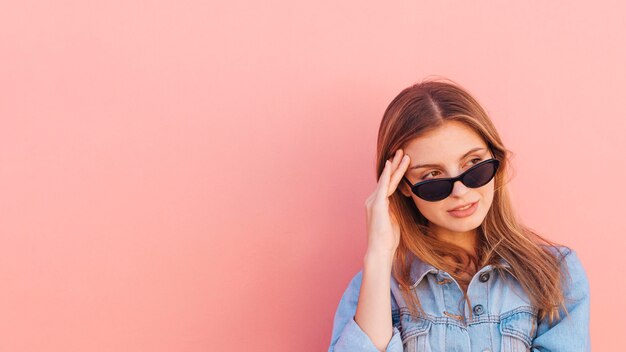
452, 180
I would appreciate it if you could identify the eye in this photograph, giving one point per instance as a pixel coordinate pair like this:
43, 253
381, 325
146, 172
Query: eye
478, 160
474, 161
426, 174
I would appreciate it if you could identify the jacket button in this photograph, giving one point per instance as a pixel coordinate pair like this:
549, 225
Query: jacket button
486, 350
483, 277
478, 309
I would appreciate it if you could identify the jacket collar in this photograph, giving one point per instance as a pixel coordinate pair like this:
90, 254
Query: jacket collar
419, 269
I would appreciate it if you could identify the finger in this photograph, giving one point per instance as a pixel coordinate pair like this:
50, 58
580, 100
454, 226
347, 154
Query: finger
390, 166
397, 158
395, 162
397, 176
383, 181
383, 189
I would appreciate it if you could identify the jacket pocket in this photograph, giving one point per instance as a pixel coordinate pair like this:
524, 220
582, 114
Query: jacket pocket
415, 336
518, 331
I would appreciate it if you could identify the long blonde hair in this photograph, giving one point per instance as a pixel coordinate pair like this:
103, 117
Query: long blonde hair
417, 110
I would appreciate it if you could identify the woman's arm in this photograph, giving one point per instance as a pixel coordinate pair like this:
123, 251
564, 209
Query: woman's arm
373, 312
372, 309
571, 332
347, 334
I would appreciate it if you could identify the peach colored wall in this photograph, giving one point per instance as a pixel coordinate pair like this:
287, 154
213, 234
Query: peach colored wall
191, 175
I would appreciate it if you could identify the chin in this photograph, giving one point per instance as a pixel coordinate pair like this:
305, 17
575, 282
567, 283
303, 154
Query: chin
461, 229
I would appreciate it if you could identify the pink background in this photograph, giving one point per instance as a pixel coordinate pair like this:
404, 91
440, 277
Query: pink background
191, 176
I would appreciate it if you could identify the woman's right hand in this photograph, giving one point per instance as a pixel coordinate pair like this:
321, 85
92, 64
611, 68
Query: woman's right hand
383, 231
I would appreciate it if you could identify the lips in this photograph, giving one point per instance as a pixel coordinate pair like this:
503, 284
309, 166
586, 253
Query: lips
461, 206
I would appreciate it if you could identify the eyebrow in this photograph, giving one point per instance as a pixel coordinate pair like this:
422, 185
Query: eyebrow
417, 166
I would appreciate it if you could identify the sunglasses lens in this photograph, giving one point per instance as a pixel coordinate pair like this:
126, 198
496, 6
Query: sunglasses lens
480, 176
474, 178
435, 190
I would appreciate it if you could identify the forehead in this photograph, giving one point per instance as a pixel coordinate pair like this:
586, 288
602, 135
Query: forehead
447, 142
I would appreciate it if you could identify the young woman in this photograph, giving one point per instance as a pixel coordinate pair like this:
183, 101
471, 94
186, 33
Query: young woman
448, 266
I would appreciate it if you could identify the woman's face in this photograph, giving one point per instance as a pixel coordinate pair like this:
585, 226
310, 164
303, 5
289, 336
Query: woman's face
447, 147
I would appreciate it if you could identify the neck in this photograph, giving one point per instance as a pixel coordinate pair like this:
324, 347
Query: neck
466, 240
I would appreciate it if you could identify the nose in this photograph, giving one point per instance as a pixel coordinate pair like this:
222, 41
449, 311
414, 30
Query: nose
459, 189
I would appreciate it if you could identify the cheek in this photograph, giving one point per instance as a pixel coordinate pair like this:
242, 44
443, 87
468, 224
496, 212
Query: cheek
486, 197
427, 208
488, 191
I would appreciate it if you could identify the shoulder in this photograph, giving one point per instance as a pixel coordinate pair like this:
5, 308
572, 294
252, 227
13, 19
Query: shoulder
355, 281
565, 255
574, 273
351, 292
560, 252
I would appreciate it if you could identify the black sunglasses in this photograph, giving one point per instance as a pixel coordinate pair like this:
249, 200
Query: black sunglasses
437, 189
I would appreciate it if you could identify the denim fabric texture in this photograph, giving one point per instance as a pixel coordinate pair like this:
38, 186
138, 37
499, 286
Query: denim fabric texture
503, 318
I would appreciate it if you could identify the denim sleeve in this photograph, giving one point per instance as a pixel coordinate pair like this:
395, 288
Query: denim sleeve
347, 336
571, 332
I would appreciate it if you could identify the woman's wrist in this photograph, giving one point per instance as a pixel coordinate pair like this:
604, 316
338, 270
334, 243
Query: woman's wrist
374, 258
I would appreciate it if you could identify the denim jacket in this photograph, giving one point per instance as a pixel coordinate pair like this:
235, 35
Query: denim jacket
503, 318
